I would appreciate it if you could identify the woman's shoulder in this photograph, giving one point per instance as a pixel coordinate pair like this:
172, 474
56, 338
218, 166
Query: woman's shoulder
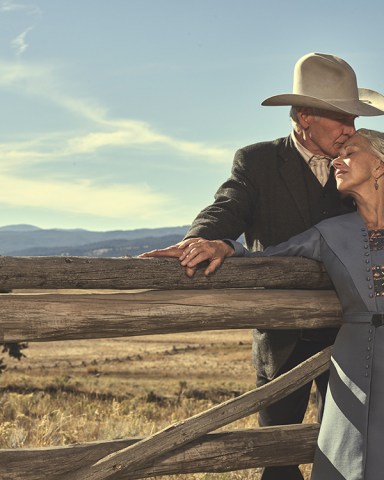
348, 219
341, 228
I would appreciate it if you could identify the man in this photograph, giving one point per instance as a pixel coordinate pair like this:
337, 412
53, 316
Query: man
278, 189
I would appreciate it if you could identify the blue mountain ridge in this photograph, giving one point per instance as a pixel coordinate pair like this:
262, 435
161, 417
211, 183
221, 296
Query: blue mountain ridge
28, 240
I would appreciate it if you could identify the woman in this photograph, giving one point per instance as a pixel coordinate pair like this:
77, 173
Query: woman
351, 439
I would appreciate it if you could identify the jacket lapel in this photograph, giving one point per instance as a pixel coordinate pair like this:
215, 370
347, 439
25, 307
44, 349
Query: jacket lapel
291, 171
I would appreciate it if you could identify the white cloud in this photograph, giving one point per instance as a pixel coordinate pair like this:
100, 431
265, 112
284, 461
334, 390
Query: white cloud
18, 76
8, 6
83, 197
98, 132
101, 131
134, 133
19, 43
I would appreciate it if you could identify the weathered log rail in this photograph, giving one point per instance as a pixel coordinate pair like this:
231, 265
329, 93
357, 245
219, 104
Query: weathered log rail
232, 298
160, 274
215, 452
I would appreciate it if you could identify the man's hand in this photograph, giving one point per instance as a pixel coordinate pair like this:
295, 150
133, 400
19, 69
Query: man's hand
199, 250
173, 251
193, 251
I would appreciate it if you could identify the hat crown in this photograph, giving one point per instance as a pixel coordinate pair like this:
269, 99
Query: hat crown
326, 77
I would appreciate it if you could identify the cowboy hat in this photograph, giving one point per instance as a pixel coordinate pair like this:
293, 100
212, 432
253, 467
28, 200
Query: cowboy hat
329, 83
371, 97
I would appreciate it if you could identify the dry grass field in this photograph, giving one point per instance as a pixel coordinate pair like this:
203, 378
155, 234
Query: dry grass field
80, 391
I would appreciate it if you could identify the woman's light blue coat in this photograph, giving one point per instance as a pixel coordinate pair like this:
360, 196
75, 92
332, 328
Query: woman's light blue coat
351, 440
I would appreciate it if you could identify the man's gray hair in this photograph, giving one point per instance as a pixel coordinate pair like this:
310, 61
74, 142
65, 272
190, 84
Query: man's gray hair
295, 119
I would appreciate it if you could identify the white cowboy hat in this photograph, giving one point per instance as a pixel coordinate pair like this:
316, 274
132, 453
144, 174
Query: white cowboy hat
371, 97
329, 83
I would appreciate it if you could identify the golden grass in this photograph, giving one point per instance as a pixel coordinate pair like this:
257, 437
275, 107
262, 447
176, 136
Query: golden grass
70, 392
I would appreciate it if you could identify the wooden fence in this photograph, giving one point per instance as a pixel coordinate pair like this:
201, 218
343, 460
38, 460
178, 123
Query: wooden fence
239, 296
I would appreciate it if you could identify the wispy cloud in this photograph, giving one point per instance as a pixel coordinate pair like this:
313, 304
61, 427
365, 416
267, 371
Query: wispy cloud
97, 131
31, 12
101, 130
8, 6
19, 43
83, 197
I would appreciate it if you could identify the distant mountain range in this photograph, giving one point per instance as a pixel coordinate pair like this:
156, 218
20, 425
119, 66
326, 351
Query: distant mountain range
28, 240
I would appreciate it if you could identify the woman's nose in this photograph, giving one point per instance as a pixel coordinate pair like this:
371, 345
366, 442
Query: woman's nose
337, 162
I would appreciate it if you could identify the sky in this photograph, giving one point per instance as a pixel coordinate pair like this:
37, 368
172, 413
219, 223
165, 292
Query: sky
126, 114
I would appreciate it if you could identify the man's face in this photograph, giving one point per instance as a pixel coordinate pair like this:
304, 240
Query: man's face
327, 131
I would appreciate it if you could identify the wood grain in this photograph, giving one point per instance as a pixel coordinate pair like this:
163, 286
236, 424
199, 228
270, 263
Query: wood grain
216, 452
44, 317
158, 273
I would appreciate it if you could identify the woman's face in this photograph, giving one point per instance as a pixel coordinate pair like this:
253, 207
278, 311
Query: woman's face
356, 167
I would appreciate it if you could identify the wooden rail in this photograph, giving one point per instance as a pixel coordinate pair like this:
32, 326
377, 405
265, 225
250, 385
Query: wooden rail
161, 274
215, 452
232, 298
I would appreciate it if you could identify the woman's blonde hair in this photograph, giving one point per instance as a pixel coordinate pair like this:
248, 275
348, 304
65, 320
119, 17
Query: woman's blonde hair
375, 140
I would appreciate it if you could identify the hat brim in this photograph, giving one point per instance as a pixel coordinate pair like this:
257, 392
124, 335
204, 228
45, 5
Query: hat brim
371, 97
352, 107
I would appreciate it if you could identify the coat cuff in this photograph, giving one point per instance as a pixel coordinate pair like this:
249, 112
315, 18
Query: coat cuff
237, 247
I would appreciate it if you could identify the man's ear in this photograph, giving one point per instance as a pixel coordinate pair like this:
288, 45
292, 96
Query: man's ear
305, 116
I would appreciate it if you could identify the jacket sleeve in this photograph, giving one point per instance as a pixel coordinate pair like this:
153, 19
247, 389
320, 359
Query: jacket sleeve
235, 200
306, 244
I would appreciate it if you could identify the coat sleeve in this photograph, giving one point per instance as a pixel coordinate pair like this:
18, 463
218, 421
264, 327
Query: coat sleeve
306, 244
235, 200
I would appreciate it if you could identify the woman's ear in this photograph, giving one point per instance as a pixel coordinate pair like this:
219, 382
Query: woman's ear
379, 171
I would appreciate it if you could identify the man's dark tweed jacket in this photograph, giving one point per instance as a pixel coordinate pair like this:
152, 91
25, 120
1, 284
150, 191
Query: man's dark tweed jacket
270, 196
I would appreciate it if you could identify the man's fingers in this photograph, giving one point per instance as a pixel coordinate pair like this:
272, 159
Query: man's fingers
184, 243
213, 266
195, 257
190, 272
173, 251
